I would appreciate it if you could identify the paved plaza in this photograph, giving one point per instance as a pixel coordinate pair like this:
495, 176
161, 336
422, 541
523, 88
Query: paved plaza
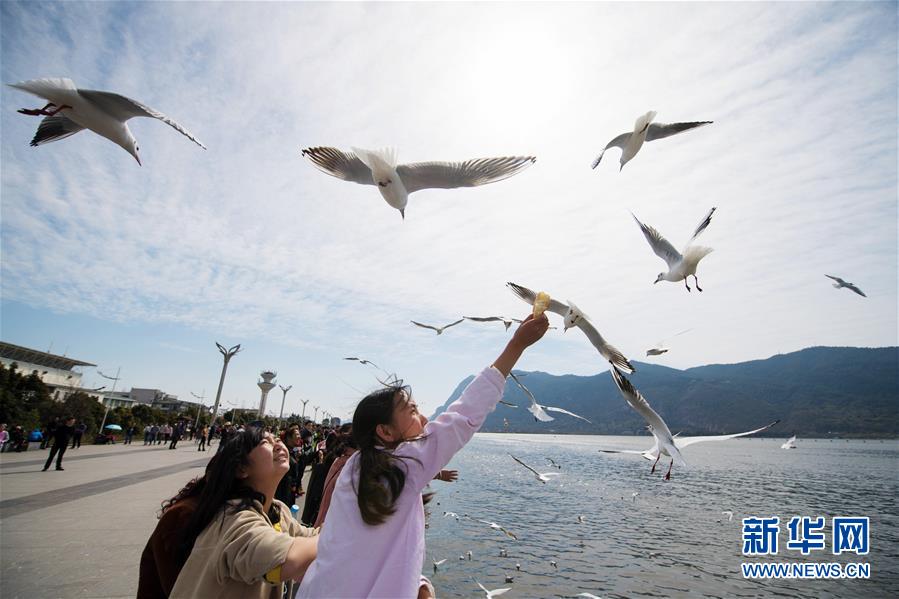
80, 532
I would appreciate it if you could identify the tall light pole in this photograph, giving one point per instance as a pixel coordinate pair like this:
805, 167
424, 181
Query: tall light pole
115, 381
303, 417
315, 418
265, 385
283, 398
201, 397
227, 354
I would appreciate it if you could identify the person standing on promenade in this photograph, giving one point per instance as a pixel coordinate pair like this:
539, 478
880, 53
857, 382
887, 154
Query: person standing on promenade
203, 436
4, 437
176, 435
376, 522
129, 434
60, 442
76, 436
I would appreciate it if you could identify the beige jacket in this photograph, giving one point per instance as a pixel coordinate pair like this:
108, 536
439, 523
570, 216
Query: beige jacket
233, 554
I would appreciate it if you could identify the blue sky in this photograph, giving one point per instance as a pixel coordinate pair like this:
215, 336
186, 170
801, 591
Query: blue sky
146, 267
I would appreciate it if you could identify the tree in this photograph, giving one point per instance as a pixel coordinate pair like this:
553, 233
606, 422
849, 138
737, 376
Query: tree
24, 399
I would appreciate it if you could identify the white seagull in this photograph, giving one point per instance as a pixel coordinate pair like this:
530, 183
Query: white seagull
790, 444
437, 563
665, 443
553, 462
575, 317
70, 110
397, 181
680, 265
660, 348
496, 526
541, 476
644, 130
438, 329
729, 514
494, 593
506, 321
540, 411
361, 361
841, 283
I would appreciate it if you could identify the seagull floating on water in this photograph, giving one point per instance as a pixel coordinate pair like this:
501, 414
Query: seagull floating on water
729, 514
680, 265
644, 130
542, 477
70, 110
397, 181
840, 283
574, 317
665, 443
540, 411
438, 563
438, 329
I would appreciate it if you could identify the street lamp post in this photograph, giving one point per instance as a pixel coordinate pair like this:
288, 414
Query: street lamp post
227, 354
265, 385
283, 398
303, 416
315, 418
201, 397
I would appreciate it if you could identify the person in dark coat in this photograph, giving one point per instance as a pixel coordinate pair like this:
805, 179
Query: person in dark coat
61, 437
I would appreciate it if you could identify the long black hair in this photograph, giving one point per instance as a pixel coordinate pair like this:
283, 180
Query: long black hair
221, 484
381, 480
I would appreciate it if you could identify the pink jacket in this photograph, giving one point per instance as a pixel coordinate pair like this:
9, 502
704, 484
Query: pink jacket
384, 562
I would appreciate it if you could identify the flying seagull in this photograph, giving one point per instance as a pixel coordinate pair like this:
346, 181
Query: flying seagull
680, 266
361, 361
506, 321
644, 130
665, 443
494, 593
540, 411
438, 329
729, 514
496, 526
575, 317
70, 110
660, 348
841, 283
436, 563
542, 477
553, 462
790, 444
397, 181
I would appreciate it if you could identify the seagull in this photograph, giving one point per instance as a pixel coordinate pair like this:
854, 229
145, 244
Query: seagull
553, 563
660, 348
588, 595
451, 515
634, 496
575, 317
665, 443
361, 361
509, 579
436, 563
729, 514
502, 553
644, 130
580, 519
496, 526
494, 593
680, 266
790, 444
553, 462
70, 110
506, 321
518, 567
468, 555
438, 329
542, 477
396, 182
841, 283
540, 411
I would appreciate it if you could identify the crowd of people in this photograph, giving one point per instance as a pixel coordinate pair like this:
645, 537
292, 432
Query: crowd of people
236, 532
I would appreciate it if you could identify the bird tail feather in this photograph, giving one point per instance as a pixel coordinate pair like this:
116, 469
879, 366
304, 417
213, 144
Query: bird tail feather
644, 120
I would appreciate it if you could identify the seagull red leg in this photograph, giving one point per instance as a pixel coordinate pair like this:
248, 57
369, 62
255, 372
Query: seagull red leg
64, 106
36, 111
659, 457
668, 475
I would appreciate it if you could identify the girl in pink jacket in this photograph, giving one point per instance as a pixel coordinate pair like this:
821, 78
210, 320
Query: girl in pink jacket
373, 544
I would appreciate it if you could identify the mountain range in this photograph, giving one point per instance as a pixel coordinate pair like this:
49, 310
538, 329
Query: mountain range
817, 391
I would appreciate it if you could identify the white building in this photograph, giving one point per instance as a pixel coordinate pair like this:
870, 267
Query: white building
57, 372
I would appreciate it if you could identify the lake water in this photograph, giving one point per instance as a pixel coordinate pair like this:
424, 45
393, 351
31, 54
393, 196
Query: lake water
669, 541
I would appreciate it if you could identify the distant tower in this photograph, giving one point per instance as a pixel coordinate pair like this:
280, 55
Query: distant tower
266, 384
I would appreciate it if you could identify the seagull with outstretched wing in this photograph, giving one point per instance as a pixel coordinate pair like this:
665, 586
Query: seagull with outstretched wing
840, 283
644, 130
397, 181
541, 476
680, 265
540, 411
438, 329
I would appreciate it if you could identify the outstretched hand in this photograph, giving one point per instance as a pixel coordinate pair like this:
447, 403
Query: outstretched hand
447, 476
531, 330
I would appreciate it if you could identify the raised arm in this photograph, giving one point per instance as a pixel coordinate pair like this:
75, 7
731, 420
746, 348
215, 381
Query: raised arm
450, 431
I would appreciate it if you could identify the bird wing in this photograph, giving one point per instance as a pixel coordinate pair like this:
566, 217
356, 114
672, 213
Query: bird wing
470, 173
535, 408
424, 326
837, 279
525, 465
496, 592
482, 318
639, 404
54, 128
661, 246
644, 454
608, 351
703, 225
530, 296
483, 588
855, 289
343, 165
682, 442
618, 142
440, 562
122, 108
661, 130
452, 324
560, 410
44, 88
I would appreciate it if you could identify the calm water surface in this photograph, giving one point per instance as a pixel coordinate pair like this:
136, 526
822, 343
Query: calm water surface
671, 540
